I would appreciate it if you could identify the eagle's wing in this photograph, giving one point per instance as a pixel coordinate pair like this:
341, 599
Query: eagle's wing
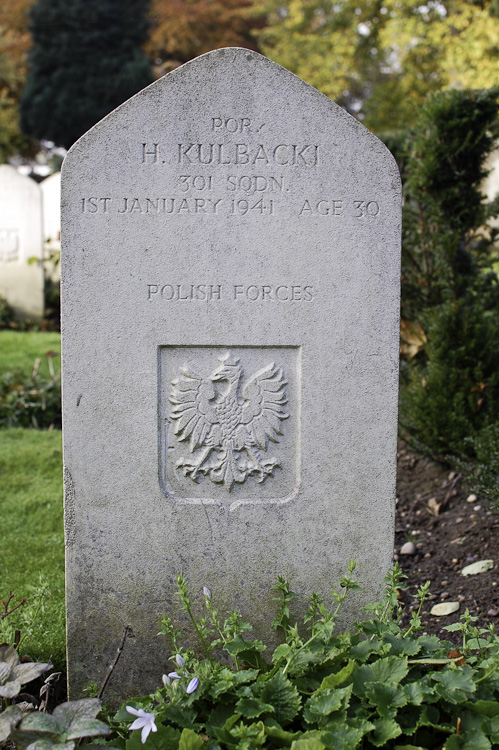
193, 412
263, 408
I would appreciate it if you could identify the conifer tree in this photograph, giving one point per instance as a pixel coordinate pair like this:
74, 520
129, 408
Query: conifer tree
86, 59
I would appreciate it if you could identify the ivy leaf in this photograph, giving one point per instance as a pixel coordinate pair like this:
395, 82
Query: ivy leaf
189, 740
390, 670
455, 685
384, 730
386, 698
337, 678
282, 695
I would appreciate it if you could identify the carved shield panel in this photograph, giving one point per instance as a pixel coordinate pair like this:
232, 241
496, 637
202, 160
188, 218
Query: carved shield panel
229, 423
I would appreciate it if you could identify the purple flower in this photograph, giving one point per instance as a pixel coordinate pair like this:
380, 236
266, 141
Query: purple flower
174, 676
144, 721
192, 686
207, 592
166, 680
179, 660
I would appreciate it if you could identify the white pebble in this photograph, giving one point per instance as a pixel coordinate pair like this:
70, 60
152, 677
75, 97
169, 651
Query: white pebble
409, 548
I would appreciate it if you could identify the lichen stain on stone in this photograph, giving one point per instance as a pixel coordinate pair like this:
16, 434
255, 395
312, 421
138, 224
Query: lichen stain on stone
69, 508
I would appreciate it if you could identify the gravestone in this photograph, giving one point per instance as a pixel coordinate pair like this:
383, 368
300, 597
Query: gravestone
231, 244
21, 282
51, 212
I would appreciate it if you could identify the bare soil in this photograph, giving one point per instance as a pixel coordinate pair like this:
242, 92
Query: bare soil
450, 528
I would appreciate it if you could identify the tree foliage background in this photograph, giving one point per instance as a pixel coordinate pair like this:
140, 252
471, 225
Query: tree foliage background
380, 58
85, 60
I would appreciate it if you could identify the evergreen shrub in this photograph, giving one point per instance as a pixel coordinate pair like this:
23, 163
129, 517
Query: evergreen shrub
450, 389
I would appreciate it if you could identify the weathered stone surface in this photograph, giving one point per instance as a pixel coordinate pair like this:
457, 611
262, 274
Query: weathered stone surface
21, 283
51, 213
231, 254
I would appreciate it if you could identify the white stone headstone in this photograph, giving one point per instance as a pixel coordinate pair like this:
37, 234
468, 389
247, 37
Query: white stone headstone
51, 210
231, 263
21, 282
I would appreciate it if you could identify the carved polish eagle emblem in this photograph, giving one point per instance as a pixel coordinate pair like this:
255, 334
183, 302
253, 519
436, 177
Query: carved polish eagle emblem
228, 424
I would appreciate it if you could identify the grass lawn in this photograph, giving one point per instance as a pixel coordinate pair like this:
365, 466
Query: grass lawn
31, 517
19, 349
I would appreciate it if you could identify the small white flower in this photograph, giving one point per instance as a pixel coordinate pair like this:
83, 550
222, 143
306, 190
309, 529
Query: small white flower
166, 680
144, 721
179, 660
207, 592
192, 686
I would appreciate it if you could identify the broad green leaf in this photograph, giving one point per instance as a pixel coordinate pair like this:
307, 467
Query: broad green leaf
338, 678
166, 738
8, 720
455, 685
364, 649
390, 670
283, 695
9, 655
84, 727
10, 689
468, 740
313, 743
25, 673
486, 708
386, 698
324, 702
430, 642
238, 645
219, 715
384, 730
491, 727
68, 712
280, 736
401, 646
252, 708
49, 745
189, 740
183, 716
41, 723
417, 692
342, 737
281, 652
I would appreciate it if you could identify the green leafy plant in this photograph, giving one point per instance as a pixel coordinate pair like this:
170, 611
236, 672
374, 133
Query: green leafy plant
13, 674
31, 400
69, 723
376, 685
6, 313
